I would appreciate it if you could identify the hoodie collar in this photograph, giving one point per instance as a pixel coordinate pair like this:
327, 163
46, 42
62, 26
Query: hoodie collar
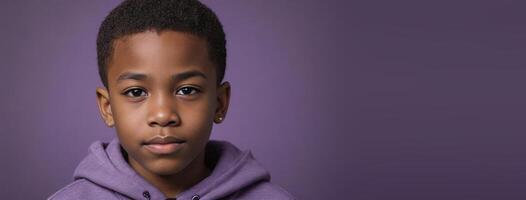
232, 170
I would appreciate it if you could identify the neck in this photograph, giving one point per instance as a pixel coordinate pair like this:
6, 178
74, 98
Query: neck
172, 185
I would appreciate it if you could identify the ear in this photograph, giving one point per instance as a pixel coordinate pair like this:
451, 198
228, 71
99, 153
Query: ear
103, 102
223, 100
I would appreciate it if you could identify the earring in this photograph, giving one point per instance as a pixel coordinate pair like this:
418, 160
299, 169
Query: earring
219, 119
109, 124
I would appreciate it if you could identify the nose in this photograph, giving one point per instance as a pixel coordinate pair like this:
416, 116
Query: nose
162, 112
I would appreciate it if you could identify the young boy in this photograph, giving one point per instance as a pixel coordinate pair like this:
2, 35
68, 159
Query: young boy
162, 63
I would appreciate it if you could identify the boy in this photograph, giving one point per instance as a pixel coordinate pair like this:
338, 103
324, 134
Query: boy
162, 63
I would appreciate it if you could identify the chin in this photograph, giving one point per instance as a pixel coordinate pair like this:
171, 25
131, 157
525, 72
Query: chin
166, 166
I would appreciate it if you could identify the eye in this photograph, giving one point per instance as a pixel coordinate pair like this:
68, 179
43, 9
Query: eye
135, 92
187, 91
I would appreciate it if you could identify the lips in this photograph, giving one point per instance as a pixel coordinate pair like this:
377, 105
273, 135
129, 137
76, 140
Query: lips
163, 145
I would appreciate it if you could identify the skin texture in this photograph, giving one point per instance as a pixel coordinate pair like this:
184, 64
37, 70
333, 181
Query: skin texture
155, 103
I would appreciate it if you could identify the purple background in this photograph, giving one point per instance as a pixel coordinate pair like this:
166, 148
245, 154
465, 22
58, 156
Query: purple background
338, 99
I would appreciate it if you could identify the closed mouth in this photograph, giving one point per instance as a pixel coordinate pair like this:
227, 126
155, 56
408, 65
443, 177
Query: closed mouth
163, 145
163, 140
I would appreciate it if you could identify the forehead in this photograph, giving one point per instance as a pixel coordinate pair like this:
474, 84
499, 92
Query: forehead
164, 52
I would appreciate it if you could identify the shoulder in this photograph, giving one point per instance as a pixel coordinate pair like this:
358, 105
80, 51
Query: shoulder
82, 189
265, 191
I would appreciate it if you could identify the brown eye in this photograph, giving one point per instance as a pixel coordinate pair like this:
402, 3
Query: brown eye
187, 91
135, 92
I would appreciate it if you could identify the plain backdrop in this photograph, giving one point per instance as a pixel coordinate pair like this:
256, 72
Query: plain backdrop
341, 99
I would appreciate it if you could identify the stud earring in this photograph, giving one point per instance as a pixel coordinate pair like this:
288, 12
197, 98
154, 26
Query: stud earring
219, 119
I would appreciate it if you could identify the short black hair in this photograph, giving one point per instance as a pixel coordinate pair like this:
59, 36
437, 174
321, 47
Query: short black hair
135, 16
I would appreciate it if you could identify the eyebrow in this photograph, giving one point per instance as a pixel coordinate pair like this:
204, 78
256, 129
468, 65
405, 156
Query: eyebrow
131, 75
175, 77
187, 75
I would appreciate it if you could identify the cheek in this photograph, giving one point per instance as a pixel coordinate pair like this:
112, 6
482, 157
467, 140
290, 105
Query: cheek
128, 112
128, 115
197, 122
129, 121
197, 119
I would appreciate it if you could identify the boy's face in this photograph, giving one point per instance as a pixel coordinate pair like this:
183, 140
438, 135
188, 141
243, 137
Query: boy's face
162, 98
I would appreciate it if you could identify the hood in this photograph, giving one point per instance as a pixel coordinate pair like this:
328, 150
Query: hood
233, 170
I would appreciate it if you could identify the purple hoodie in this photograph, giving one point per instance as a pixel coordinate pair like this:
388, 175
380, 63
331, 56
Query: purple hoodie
104, 174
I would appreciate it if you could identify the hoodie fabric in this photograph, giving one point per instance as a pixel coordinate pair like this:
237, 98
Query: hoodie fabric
105, 174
